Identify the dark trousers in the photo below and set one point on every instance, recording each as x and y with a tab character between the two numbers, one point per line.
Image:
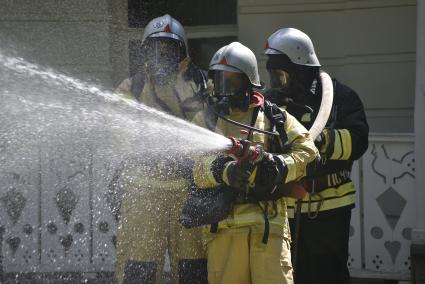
322	249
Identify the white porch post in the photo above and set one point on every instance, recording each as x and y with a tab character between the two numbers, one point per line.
418	233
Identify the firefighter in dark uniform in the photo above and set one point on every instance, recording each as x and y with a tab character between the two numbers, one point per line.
324	224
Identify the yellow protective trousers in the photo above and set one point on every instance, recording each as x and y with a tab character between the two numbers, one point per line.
238	255
149	225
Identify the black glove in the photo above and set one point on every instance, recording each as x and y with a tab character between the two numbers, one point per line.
236	176
269	176
323	141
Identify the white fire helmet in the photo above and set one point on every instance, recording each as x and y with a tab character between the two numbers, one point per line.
293	43
238	58
165	27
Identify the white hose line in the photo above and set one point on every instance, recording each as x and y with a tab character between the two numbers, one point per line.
325	105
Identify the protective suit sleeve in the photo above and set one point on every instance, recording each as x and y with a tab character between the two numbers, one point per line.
301	151
208	171
349	139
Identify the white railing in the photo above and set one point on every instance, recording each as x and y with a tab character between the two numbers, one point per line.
57	219
55	214
384	217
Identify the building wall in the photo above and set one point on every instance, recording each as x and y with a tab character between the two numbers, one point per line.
205	39
68	35
367	44
419	121
418	234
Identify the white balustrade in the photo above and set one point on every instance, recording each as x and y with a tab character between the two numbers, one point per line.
56	218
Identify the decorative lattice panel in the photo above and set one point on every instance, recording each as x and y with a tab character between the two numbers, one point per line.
55	210
389	207
355	253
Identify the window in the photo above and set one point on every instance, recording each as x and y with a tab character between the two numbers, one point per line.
188	12
201	50
212	15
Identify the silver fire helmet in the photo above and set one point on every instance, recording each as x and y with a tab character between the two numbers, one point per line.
293	43
238	58
165	27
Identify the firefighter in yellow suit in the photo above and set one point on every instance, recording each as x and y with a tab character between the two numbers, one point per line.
151	205
252	244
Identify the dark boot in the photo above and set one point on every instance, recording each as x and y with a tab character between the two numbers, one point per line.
136	272
193	271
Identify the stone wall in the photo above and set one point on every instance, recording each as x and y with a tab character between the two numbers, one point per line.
69	35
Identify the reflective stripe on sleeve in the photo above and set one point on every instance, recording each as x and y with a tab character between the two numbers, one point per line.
342	145
337	146
292	135
289	162
225	179
346	143
202	174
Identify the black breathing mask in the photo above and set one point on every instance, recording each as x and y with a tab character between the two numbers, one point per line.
289	80
231	91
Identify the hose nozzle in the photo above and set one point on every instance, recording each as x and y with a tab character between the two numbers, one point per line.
244	151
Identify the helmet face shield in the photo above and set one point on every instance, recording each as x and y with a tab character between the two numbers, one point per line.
289	79
162	50
227	83
162	57
281	71
231	91
279	79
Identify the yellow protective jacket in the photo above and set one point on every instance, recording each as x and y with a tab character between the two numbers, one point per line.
153	193
302	151
178	98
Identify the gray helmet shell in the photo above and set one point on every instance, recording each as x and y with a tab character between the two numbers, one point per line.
295	44
236	57
165	27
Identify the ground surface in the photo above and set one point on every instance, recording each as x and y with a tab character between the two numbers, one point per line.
108	279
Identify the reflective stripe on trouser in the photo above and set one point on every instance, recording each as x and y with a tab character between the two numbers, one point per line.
149	225
330	198
237	255
250	213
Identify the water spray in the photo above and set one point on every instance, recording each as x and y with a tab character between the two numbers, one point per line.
53	102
